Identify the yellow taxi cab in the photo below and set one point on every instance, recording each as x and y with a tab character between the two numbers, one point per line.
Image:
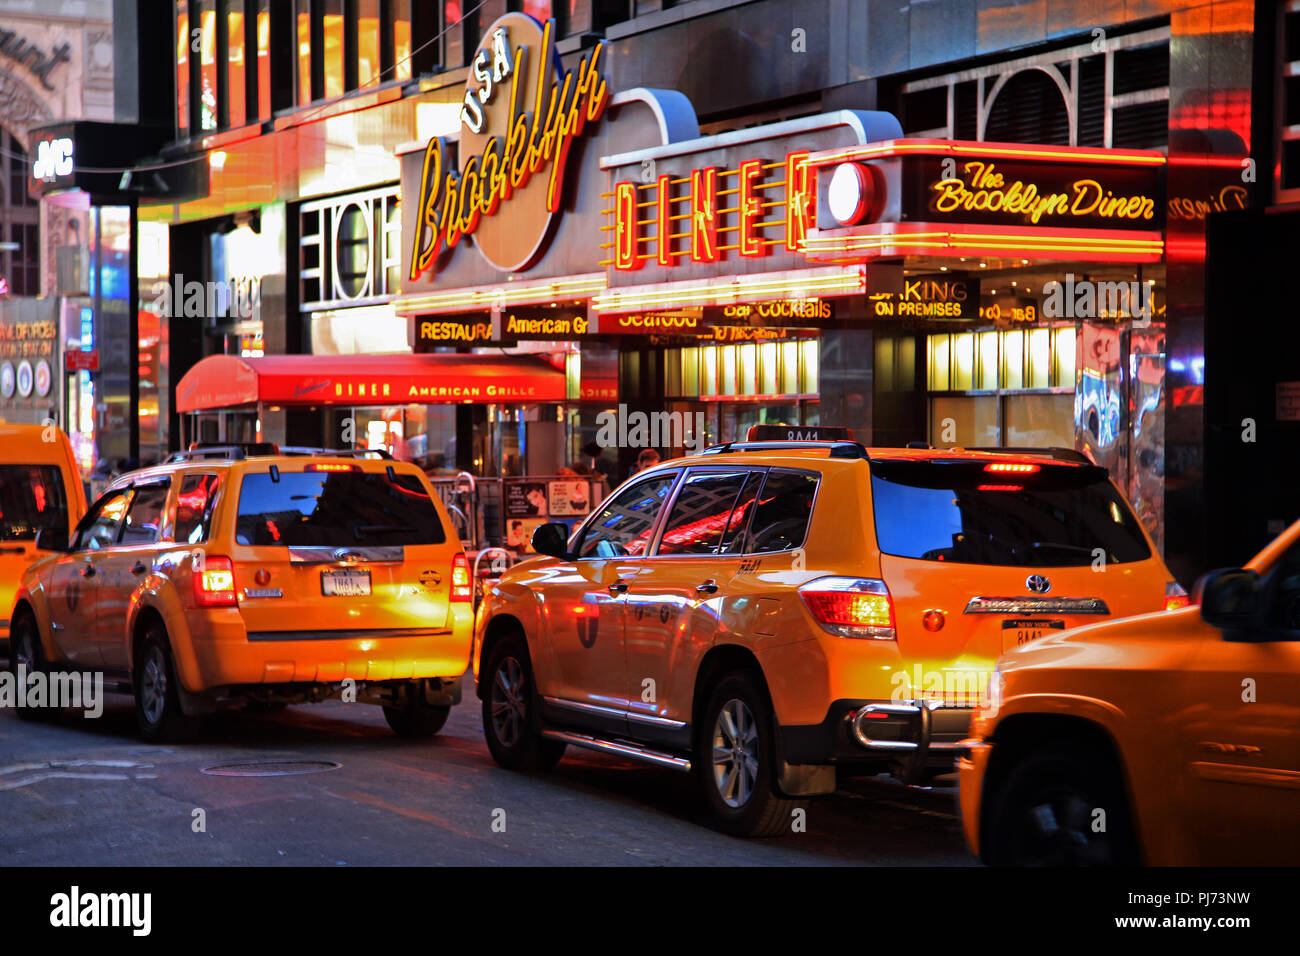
40	488
1163	739
236	575
767	614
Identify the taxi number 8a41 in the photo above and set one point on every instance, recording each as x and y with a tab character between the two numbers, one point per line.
1019	630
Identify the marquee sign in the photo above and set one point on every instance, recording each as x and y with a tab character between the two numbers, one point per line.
519	119
947	197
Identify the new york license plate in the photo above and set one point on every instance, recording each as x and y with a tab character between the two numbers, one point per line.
1022	630
345	583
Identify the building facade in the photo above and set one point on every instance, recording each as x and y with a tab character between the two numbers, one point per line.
1013	253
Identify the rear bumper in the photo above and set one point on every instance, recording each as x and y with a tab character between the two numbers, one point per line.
919	734
223	653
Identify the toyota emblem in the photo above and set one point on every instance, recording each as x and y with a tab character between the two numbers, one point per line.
1038	583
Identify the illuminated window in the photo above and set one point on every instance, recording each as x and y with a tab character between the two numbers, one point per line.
236	102
1040	358
182	67
208	66
263	64
939	363
769	358
333	30
401	40
1063	355
304	51
20	217
368	65
963	361
1013	359
808	367
988	360
748	369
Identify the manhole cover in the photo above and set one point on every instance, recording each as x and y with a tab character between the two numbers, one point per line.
270	768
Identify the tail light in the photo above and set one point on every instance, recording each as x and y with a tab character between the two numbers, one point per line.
1175	596
851	607
214	586
461	588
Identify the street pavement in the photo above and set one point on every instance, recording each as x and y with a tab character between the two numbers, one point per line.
82	792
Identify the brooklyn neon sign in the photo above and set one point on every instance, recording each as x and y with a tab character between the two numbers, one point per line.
455	203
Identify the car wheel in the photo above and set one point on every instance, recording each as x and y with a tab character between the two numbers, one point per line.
736	761
25	653
1046	814
157	693
510	711
416	717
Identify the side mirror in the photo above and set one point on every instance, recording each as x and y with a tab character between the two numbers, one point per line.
552	539
1229	598
51	539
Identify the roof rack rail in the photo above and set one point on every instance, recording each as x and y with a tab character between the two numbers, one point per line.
230	451
381	453
1056	452
838	449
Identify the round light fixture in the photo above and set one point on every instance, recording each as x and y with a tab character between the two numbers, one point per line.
849	193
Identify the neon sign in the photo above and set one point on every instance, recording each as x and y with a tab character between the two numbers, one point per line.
987	190
498	167
708	239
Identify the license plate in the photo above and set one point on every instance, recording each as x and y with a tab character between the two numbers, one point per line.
345	583
1022	630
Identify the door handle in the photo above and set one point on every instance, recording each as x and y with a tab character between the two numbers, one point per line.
138	568
87	570
708	587
618	587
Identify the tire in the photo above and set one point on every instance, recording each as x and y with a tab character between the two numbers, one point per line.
736	761
417	717
1044	813
510	721
158	711
25	650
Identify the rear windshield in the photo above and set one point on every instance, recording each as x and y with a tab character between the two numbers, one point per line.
310	508
1056	516
31	498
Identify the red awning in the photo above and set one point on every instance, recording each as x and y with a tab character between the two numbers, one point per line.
225	381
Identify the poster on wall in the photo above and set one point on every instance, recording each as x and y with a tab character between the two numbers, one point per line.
567	498
519	533
526	500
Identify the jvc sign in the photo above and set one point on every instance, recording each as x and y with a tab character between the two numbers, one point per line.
53	159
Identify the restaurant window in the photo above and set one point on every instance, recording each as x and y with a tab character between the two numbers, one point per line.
332	33
399	30
302	26
1002	387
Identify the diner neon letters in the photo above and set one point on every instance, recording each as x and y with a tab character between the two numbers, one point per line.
988	191
704	228
451	203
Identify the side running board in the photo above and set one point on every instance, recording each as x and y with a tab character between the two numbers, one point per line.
632	751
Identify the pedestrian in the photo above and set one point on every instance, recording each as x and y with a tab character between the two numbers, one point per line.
647	459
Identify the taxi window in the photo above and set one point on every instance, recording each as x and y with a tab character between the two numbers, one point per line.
31	499
624	524
194	502
959	511
701	513
145	514
99	528
782	511
324	508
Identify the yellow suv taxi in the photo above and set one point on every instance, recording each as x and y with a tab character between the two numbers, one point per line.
236	575
767	613
40	488
1164	739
